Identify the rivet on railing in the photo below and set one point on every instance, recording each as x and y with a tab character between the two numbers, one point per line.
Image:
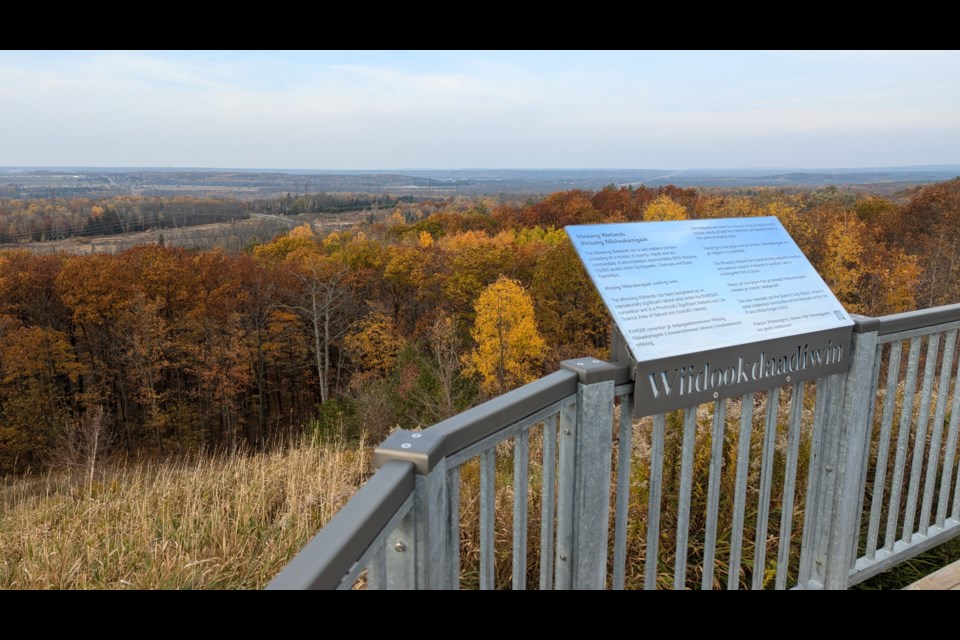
400	547
405	445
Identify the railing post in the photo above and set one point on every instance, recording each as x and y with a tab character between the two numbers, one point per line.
583	501
399	571
840	464
418	552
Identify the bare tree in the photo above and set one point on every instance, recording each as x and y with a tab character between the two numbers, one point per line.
324	302
83	441
447	397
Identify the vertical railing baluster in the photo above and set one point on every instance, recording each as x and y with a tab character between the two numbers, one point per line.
766	484
871	403
453	536
563	571
651	561
903	436
487	517
521	467
547	501
624	457
950	453
713	491
740	490
814	509
883	452
789	485
920	442
686	486
933	462
956	496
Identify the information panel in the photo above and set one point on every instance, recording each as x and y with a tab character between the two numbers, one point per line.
714	307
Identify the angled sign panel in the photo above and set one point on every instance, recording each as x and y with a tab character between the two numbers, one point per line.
711	308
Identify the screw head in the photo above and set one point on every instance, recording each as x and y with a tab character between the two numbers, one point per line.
788	378
416	435
405	445
400	547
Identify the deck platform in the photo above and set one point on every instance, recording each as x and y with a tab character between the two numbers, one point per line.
946	579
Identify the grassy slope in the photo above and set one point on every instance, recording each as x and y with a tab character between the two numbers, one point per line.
221	523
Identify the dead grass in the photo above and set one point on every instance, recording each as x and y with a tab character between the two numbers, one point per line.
222	522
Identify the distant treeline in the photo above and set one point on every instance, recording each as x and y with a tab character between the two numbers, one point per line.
56	219
325	203
160	349
43	219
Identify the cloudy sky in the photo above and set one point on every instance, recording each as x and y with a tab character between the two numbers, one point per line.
395	110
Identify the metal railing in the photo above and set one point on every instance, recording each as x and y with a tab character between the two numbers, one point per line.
555	485
915	421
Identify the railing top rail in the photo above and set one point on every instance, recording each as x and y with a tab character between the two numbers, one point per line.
327	558
425	448
909	320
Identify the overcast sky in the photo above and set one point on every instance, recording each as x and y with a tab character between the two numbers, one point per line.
395	110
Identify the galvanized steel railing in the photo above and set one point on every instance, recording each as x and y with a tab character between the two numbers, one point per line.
555	486
906	344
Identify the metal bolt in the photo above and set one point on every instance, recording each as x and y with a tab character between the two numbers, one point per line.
563	557
566	432
715	395
400	547
788	378
829	469
405	445
416	435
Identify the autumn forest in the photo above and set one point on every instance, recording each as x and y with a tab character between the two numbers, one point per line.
404	319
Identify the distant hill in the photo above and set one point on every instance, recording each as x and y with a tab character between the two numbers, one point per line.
26	182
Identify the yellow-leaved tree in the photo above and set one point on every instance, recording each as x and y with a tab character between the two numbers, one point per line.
664	208
373	345
844	266
508	345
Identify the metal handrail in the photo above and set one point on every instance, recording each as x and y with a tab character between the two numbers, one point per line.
425	448
333	552
919	319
